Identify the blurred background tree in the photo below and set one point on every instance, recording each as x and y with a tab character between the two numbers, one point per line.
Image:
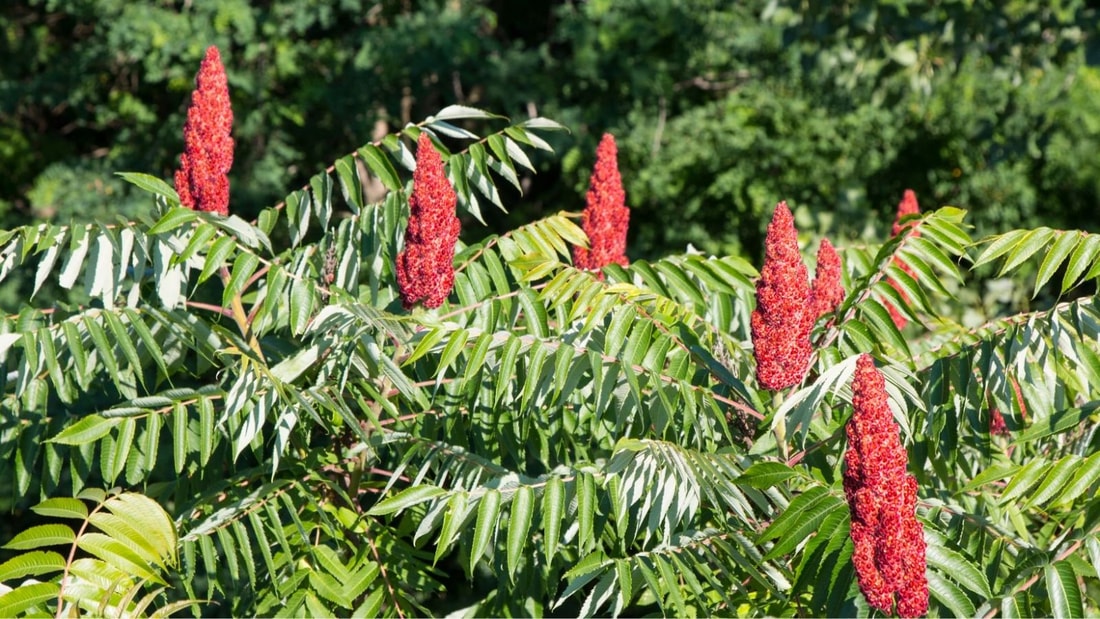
721	109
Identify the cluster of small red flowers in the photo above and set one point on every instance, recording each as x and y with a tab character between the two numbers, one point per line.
907	206
202	181
781	344
827	291
1019	397
889	555
425	268
786	308
606	216
997	425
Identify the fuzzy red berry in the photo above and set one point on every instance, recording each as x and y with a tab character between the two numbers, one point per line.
1020	402
827	291
907	206
202	180
606	217
780	329
997	425
889	554
425	268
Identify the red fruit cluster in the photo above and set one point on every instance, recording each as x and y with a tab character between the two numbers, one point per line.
425	268
907	206
827	291
202	181
786	308
781	341
605	217
889	554
1019	397
997	425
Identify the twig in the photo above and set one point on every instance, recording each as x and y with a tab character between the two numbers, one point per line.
210	307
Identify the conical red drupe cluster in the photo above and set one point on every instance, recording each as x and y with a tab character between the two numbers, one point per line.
1019	397
889	554
781	322
827	291
606	216
907	206
786	306
997	425
202	180
425	268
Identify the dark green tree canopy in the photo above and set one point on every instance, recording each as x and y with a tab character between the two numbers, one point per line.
720	108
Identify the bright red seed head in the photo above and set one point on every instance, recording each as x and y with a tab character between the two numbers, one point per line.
907	206
997	425
827	291
780	329
889	554
425	268
1019	397
202	180
606	217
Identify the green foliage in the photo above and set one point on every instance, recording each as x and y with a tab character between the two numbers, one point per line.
101	85
547	441
720	108
134	543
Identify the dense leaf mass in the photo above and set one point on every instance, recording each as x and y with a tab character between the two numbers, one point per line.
202	180
551	443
